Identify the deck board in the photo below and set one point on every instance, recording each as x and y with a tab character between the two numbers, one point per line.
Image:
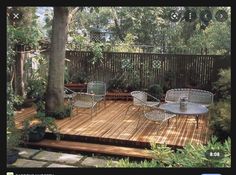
111	123
97	148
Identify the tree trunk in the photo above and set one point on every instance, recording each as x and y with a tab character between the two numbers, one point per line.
19	83
55	88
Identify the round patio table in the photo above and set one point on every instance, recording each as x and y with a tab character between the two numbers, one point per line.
192	109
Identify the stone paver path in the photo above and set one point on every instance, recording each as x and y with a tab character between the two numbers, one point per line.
41	158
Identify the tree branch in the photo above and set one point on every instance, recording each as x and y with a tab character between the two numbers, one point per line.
72	13
117	25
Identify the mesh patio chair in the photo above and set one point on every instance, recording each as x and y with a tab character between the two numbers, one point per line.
98	88
174	95
202	97
140	99
84	100
199	96
149	108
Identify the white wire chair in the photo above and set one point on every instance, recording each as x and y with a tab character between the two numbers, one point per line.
80	100
199	96
149	108
98	88
85	100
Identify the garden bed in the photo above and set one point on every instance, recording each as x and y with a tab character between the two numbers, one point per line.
76	86
118	96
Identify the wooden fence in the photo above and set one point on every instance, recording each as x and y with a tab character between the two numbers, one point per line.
148	68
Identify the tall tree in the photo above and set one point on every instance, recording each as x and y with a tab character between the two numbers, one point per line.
21	32
55	88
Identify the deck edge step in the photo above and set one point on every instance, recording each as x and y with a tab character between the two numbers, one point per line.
93	148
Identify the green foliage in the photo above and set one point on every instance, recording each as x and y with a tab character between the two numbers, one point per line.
40	120
163	154
127	45
10	109
223	84
130	78
17	102
216	38
13	134
125	163
40	104
115	84
169	80
13	101
37	79
10	101
191	156
96	49
26	35
220	112
65	112
67	77
220	118
155	90
80	77
78	42
36	88
150	26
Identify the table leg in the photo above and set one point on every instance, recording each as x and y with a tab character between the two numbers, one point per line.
197	119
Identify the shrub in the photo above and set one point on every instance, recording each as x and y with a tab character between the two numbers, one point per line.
169	81
155	90
61	114
36	88
220	118
192	155
115	84
220	112
40	104
223	85
13	134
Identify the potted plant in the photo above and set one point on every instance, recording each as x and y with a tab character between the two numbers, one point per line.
34	127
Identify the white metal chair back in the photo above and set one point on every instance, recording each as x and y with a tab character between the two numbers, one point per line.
201	97
84	100
174	95
139	98
193	95
96	87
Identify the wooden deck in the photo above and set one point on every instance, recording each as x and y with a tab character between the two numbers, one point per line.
112	126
